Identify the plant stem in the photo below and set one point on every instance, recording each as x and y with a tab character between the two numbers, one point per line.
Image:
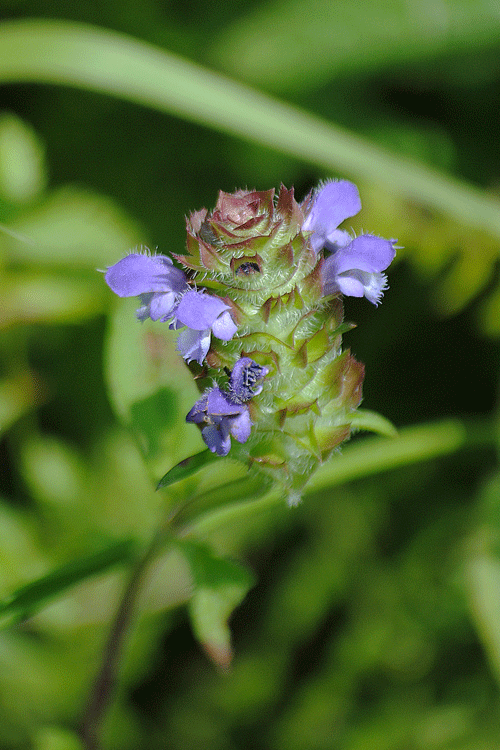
105	683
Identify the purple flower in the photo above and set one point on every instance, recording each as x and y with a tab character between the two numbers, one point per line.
335	202
165	294
223	418
153	278
354	266
356	269
244	382
226	414
203	314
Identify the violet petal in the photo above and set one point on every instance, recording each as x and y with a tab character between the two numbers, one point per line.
358	284
161	306
199	311
349	285
366	253
336	239
219	404
137	274
198	412
193	344
217	438
224	326
335	202
241	426
374	284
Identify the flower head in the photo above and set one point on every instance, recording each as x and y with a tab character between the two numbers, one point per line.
261	298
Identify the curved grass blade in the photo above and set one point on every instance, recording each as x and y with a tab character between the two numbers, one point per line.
66	53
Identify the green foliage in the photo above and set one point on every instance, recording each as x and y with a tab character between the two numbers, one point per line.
187	467
151	388
219	586
29	598
16	397
124	67
375	619
368	36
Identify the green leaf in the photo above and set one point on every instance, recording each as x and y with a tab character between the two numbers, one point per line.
72	227
482	571
365	419
53	737
151	388
370	454
22	166
187	467
365	457
483	583
219	586
61	52
49	298
18	394
489	314
29	598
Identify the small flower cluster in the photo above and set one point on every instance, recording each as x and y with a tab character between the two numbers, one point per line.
227	414
352	266
165	295
260	303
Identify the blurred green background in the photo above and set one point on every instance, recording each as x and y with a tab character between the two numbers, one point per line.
375	620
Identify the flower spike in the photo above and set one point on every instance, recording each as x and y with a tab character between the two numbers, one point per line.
277	390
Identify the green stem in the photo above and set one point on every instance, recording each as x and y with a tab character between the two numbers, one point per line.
104	685
360	459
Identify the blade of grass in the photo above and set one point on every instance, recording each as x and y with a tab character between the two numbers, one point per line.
73	54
